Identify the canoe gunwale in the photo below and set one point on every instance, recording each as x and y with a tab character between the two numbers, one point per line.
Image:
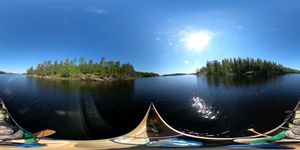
13	120
152	109
140	132
283	126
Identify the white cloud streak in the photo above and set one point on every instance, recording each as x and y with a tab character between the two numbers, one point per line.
97	10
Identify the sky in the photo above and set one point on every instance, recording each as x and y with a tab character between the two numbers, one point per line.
162	36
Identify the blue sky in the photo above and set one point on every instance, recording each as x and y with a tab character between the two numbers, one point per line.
158	36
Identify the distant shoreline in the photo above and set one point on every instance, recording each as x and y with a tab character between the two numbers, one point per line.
178	74
89	78
244	67
79	69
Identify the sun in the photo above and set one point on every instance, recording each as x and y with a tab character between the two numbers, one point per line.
197	41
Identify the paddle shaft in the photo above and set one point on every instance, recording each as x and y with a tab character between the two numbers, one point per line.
252	130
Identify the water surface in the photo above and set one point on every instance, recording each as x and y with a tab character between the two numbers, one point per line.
93	110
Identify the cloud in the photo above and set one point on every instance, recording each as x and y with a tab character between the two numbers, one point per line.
170	20
273	29
97	10
240	27
186	62
219	33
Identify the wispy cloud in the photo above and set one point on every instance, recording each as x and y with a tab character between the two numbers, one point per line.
240	27
97	10
273	29
186	62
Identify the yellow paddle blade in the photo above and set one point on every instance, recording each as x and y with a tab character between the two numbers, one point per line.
44	133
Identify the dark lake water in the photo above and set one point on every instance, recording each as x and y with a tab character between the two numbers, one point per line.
94	110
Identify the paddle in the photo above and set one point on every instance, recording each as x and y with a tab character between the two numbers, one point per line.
252	130
44	133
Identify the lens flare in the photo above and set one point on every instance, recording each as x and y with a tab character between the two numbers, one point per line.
198	41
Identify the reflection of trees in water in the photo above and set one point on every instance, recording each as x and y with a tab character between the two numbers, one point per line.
67	86
58	101
237	81
98	105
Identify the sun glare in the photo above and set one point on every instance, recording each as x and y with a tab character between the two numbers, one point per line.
197	41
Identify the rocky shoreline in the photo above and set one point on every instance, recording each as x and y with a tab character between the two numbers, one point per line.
82	78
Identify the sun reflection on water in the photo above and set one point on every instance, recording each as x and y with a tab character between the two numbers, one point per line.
205	110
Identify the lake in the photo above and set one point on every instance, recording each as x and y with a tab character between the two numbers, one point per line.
222	107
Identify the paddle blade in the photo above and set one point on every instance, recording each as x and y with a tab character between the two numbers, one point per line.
44	133
250	129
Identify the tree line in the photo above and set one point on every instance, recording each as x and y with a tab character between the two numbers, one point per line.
79	68
239	66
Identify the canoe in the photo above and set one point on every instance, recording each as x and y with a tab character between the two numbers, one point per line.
284	126
260	146
19	136
174	143
249	140
154	128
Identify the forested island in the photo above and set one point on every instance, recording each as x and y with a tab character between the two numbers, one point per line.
247	66
2	72
176	74
79	69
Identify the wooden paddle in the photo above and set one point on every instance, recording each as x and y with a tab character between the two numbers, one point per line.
43	133
248	140
252	130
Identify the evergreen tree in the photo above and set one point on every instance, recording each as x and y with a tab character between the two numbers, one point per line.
73	69
239	66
